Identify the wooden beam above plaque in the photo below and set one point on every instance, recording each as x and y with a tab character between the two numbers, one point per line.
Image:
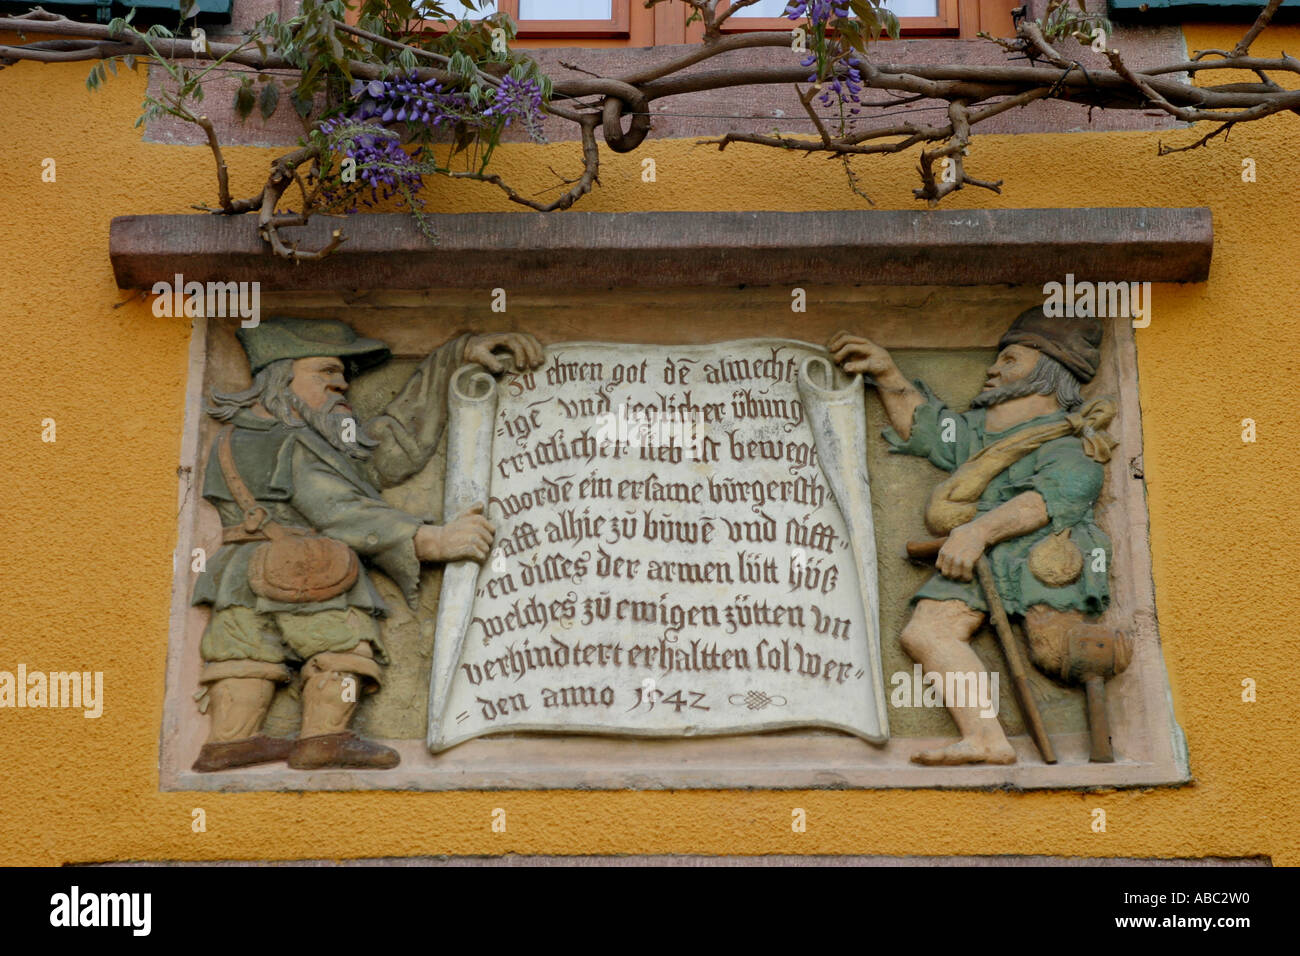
661	249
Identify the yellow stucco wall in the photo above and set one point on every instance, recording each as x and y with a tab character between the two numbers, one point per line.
89	521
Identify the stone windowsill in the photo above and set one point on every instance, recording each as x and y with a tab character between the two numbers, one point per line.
942	247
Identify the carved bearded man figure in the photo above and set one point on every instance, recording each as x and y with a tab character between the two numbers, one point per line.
1028	468
296	481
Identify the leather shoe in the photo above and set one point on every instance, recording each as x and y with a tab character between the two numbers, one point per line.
228	754
341	750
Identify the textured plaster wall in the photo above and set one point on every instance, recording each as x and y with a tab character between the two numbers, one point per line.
89	521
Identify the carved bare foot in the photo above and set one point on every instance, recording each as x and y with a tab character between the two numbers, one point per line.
966	751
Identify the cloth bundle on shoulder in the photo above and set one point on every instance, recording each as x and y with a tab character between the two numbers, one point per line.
956	500
1056	560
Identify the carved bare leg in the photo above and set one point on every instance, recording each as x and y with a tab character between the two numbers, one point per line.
938	637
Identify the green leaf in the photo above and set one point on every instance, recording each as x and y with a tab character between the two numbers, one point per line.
269	99
302	104
461	65
189	9
462	138
308	81
244	99
856	34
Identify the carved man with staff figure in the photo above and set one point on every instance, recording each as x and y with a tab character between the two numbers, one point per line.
1027	463
296	481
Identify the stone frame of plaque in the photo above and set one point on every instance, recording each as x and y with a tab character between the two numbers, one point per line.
951	332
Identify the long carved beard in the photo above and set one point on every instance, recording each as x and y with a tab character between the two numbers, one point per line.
1005	393
330	425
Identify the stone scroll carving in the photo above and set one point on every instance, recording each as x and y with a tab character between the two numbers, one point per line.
683	546
655	566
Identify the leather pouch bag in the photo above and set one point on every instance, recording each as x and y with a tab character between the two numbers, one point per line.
293	565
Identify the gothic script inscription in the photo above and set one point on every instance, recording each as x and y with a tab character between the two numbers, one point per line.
684	546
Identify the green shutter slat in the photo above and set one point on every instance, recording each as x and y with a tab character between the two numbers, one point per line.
1187	10
149	11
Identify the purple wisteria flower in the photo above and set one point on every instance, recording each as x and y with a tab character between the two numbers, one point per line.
521	100
381	163
407	99
839	88
818	11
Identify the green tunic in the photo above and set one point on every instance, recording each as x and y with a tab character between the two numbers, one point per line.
304	481
1069	482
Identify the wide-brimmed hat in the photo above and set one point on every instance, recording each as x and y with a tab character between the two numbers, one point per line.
1074	342
287	338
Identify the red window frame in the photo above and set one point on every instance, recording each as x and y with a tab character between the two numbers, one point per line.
618	25
631	24
944	23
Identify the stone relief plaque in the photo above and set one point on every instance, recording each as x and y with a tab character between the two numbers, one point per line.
422	560
684	546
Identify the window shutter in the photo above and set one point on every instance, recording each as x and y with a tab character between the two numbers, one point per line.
166	12
1180	11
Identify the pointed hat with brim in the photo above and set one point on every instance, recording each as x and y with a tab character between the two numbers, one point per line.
287	338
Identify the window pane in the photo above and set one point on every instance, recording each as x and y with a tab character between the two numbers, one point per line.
566	9
913	8
764	8
458	11
901	8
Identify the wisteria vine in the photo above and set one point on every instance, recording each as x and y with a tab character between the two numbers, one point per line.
385	104
382	115
838	70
